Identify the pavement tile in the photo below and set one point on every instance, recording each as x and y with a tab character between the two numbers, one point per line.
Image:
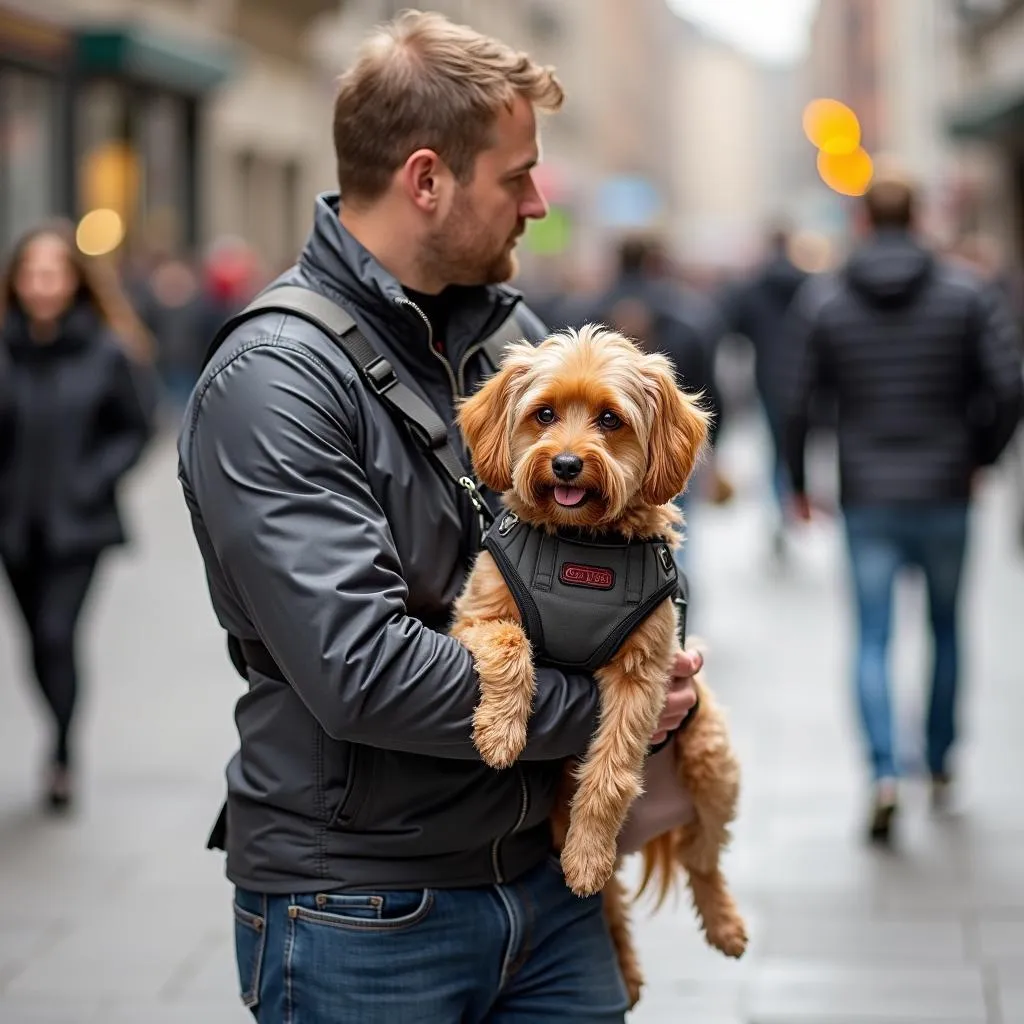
800	994
850	941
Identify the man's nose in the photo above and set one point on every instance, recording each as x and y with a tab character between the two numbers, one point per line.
534	206
567	467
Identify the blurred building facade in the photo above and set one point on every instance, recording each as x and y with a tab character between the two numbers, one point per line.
191	119
985	116
737	140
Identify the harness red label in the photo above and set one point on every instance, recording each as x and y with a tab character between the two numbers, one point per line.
593	576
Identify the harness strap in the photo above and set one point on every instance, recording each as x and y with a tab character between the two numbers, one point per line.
427	428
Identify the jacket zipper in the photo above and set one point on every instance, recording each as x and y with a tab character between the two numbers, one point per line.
430	344
467	482
523	808
525	795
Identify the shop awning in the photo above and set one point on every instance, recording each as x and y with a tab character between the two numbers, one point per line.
988	115
142	54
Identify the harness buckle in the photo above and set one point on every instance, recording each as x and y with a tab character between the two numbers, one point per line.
667	562
508	524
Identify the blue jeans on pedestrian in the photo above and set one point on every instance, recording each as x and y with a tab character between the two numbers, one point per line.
527	952
882	541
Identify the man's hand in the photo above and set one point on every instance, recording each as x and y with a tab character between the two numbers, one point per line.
802	507
682	694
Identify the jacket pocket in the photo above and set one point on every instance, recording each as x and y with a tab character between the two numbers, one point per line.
250	940
358	784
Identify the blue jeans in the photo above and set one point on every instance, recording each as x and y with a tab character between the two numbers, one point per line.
529	951
882	541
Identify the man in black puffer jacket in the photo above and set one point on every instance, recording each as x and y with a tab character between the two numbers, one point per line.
924	365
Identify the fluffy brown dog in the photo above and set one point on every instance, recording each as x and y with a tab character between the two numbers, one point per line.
595	396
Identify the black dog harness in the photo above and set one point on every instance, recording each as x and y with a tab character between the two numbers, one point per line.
581	596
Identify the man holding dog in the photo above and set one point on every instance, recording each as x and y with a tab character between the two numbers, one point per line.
383	873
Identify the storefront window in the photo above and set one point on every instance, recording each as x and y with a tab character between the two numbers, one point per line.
161	131
134	160
28	111
108	172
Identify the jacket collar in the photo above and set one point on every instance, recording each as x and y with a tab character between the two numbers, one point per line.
345	270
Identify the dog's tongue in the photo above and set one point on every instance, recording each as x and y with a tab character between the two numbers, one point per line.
569	496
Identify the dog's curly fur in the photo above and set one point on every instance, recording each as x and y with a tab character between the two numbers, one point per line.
547	400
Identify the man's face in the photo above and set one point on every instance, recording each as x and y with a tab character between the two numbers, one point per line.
475	243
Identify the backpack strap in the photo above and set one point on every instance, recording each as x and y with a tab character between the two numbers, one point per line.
426	427
495	344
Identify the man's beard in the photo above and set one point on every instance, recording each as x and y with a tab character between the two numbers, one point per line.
463	250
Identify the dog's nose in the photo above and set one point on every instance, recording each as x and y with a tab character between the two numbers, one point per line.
567	467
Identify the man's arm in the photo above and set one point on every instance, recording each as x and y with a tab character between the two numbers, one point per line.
998	348
299	535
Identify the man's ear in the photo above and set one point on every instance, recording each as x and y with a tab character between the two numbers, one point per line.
486	420
423	177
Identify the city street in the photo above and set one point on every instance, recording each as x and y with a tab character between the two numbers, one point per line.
119	915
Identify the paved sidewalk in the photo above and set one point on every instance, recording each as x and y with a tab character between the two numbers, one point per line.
120	916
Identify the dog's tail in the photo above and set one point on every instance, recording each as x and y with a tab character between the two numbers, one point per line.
660	859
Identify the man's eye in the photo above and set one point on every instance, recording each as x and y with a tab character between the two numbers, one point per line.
609	421
545	415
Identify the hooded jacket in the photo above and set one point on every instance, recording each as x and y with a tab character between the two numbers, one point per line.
924	365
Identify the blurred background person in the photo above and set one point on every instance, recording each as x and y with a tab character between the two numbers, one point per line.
179	314
756	307
646	303
924	363
78	406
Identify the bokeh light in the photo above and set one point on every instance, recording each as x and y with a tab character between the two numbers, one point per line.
100	232
831	126
849	174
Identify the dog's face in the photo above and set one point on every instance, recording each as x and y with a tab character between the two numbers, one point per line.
583	428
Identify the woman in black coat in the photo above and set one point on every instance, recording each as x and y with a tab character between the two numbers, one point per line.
75	415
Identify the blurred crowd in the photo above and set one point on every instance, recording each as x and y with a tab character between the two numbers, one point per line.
130	339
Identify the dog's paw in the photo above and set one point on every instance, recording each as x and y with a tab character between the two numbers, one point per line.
587	867
729	936
499	743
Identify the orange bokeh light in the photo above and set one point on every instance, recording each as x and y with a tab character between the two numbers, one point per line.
849	174
831	126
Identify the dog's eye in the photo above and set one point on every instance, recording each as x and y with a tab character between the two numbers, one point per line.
609	421
546	415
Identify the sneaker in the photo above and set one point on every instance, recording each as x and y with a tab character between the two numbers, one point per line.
59	790
941	791
883	810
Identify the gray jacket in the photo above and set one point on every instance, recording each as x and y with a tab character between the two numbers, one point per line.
329	536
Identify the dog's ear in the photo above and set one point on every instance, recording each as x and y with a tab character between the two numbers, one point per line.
485	420
678	434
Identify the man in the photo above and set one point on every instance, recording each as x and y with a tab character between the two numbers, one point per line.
382	872
757	309
923	362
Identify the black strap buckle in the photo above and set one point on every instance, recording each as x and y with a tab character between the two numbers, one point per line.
381	375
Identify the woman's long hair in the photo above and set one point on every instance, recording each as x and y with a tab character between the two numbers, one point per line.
97	285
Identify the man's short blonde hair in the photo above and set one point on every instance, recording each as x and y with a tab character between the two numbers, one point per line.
424	82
